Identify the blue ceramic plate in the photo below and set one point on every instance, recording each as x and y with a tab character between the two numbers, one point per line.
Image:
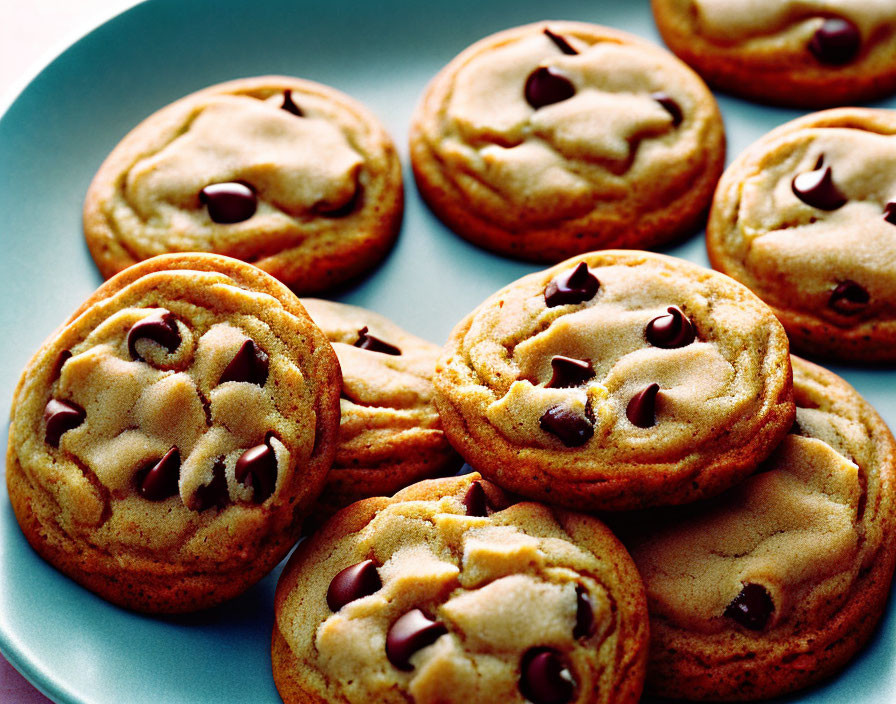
74	646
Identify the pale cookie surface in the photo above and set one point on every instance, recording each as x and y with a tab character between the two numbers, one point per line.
805	53
290	175
390	434
444	594
806	218
617	380
780	581
167	440
507	151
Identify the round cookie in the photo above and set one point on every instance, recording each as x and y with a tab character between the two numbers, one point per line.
806	218
801	53
168	439
617	380
777	584
390	434
289	175
444	594
507	151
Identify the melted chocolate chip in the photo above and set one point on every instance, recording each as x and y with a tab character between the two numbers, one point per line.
585	623
229	202
410	633
545	677
475	500
257	467
366	341
576	286
571	428
752	608
836	42
158	479
569	373
546	86
641	409
561	43
849	298
63	357
353	583
671	330
59	417
817	189
890	212
215	492
671	106
249	364
160	327
289	105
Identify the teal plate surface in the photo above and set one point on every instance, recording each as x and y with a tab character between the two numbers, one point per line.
77	648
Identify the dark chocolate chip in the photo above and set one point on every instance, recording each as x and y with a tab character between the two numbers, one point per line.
890	212
641	409
353	583
59	417
569	372
571	428
475	500
249	364
257	467
671	330
671	106
289	105
545	677
229	202
158	479
817	188
849	298
585	623
561	43
63	357
576	286
836	42
410	633
215	492
160	327
546	86
752	608
366	341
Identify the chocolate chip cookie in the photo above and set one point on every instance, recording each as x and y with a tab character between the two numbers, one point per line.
806	218
776	584
617	380
557	138
445	594
289	175
168	439
802	53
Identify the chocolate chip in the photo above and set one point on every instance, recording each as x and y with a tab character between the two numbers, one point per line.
158	479
160	327
249	364
890	212
366	341
258	466
849	298
215	492
576	286
59	417
546	86
585	623
671	330
569	372
63	357
572	429
289	105
752	608
545	677
641	410
229	202
836	42
671	106
475	500
353	583
561	43
410	633
817	188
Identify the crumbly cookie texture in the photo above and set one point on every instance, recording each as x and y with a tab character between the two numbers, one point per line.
168	439
390	434
803	53
617	380
447	594
289	175
806	218
779	582
506	150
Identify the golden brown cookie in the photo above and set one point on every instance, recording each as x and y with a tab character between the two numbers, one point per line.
556	138
444	594
290	175
168	439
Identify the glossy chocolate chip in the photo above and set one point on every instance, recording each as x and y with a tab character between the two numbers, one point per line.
585	623
366	341
160	327
289	105
475	500
671	106
671	330
561	43
570	427
213	494
410	633
836	42
641	409
890	212
229	202
576	286
257	467
59	417
545	678
158	479
752	608
353	583
546	86
250	364
817	189
569	372
849	298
